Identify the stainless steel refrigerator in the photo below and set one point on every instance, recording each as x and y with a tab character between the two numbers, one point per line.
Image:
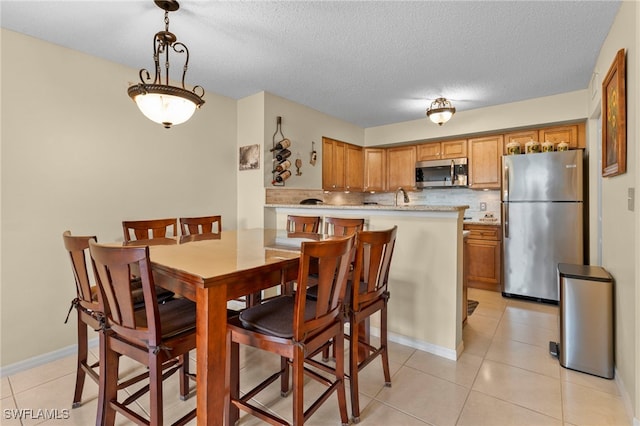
542	216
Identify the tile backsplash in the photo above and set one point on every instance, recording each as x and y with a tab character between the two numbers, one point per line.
457	196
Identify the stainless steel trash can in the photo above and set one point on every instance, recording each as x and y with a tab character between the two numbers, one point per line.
586	319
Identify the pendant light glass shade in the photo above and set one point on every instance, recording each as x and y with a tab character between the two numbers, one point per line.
440	111
162	103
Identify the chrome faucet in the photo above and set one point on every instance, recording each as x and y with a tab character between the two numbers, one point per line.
404	193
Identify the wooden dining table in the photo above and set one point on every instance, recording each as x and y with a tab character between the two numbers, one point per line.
212	269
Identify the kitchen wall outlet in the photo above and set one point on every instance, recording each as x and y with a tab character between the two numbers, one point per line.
483	207
631	199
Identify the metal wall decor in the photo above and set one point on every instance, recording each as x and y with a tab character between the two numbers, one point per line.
281	163
162	103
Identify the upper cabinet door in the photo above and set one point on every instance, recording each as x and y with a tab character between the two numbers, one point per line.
401	167
375	169
484	162
569	134
520	137
333	160
354	168
441	150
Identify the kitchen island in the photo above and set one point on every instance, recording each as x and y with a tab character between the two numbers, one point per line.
426	276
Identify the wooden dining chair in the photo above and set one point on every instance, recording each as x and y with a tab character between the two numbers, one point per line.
342	226
293	327
201	225
89	313
374	250
149	229
86	306
159	336
303	223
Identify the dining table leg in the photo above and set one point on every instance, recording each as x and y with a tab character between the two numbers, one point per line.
211	325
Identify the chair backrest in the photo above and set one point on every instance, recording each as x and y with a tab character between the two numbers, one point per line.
78	248
332	260
201	225
113	266
374	251
148	229
342	226
303	223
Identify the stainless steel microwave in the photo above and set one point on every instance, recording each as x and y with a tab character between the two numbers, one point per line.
442	173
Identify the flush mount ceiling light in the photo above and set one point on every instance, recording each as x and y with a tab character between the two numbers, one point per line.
440	111
162	103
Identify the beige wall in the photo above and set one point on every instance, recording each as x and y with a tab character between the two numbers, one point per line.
77	155
551	109
620	233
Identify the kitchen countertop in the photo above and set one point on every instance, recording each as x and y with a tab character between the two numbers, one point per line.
425	208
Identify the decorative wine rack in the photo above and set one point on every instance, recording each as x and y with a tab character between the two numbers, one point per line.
281	170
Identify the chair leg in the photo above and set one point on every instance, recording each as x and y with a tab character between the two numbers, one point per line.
184	376
353	369
285	390
155	390
298	386
108	387
385	346
233	380
82	360
342	400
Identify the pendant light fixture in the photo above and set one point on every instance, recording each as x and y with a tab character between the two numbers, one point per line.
440	111
162	103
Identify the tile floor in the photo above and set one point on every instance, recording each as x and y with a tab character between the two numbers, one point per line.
504	377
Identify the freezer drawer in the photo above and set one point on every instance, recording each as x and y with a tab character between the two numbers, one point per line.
536	237
586	319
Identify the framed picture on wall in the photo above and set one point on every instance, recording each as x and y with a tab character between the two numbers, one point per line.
614	113
250	157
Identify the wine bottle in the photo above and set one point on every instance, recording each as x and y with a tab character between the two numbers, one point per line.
283	144
282	177
283	155
282	166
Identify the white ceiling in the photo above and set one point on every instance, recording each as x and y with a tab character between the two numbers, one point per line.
367	62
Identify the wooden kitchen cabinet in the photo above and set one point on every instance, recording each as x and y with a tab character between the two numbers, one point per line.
375	169
485	162
484	253
442	150
520	137
342	166
401	167
354	168
573	134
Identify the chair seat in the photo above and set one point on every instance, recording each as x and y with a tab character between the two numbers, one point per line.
275	317
177	316
162	294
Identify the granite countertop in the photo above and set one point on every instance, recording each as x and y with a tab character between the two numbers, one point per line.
424	208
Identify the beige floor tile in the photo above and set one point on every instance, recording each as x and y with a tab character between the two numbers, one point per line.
526	333
489	309
597	383
486	296
475	343
425	397
531	317
523	355
462	372
43	373
5	388
10	416
377	413
482	324
525	388
484	410
533	306
586	406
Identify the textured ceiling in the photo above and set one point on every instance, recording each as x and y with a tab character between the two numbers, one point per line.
368	63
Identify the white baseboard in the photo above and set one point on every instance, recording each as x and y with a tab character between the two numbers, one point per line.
423	346
43	359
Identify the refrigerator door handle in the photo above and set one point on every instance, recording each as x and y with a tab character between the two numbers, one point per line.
505	179
505	215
